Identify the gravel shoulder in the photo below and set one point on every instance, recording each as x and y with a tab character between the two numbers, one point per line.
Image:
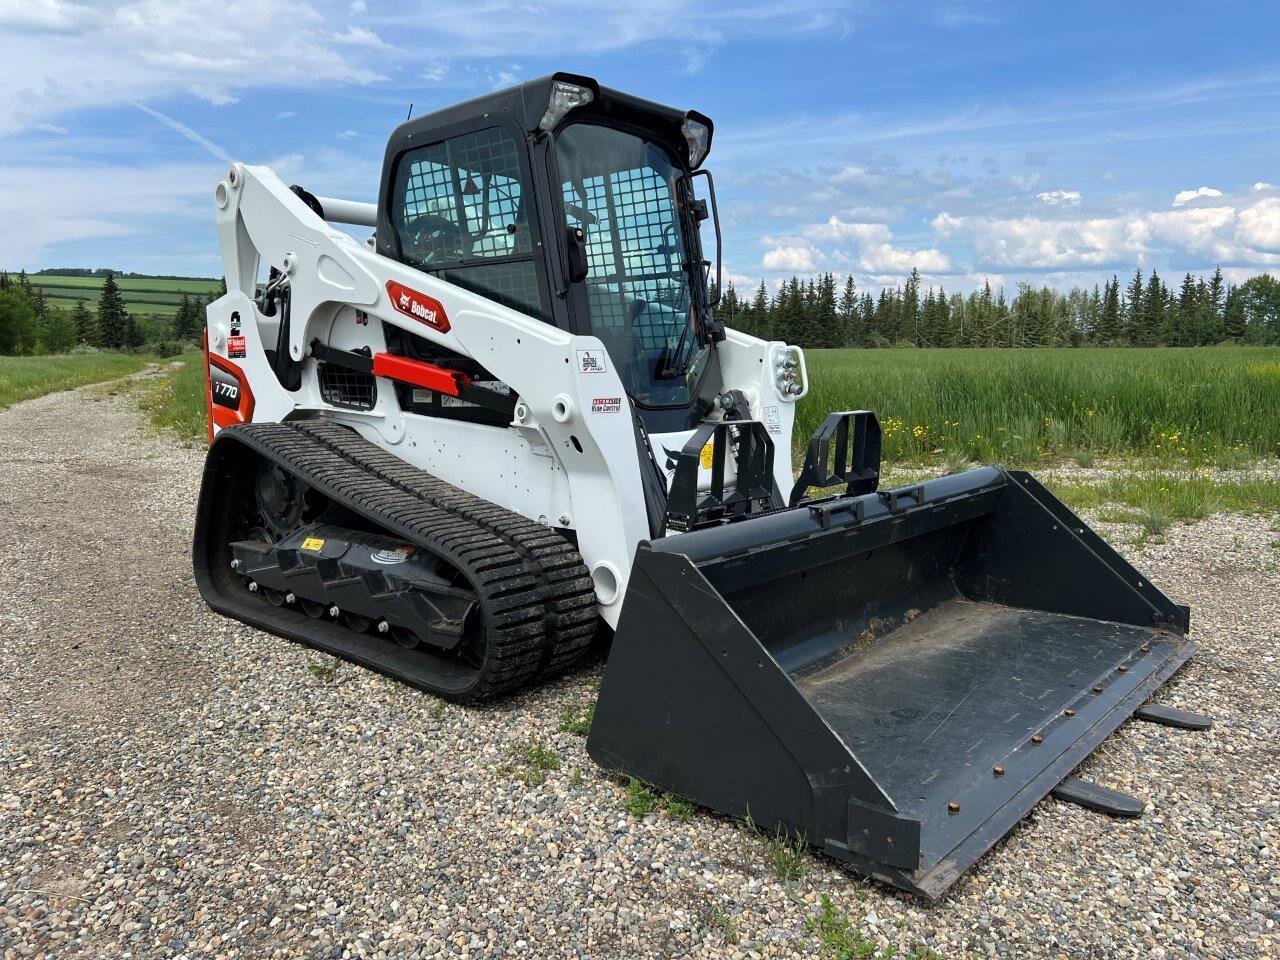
173	784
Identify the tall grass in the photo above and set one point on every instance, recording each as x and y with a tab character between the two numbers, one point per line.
22	378
1210	405
175	401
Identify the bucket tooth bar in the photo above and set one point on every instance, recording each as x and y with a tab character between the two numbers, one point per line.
1094	796
899	676
1172	717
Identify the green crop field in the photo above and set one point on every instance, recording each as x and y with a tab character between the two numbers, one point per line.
202	285
1217	405
142	295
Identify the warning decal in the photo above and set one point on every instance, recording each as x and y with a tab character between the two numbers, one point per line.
606	404
772	419
315	544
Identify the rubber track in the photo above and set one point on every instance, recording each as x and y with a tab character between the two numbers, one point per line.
532	592
569	594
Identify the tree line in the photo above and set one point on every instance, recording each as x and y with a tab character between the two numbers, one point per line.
1144	313
30	324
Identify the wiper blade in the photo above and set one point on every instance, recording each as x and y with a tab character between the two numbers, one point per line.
673	365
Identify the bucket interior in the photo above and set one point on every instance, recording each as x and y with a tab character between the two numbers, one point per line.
901	651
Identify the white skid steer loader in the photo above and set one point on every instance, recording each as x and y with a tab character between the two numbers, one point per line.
510	423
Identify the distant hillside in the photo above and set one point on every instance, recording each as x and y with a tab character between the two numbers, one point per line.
101	273
143	295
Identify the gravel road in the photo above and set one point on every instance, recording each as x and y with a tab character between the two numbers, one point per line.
176	785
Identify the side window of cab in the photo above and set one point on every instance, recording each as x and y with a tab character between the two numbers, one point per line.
460	211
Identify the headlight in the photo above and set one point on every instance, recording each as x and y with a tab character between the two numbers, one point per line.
698	135
564	97
787	372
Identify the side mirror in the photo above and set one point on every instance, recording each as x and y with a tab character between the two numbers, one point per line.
577	247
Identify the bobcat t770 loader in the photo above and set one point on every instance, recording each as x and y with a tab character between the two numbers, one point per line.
509	422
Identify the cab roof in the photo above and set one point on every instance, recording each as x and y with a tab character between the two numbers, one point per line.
527	103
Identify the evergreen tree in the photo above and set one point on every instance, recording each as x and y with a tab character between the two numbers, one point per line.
1108	330
130	335
1233	322
183	321
1133	309
1152	325
1186	317
851	334
86	326
909	322
111	315
1217	302
825	320
730	309
761	319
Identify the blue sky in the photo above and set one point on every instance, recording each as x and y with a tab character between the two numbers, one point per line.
1049	142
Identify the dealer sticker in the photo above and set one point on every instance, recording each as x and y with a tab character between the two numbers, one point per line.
592	361
606	404
235	347
315	544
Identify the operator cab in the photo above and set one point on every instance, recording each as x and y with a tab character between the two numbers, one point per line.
574	204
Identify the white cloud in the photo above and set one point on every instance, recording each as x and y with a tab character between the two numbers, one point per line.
285	115
799	257
828	244
433	71
1259	225
42	15
360	37
885	258
1186	196
1032	242
1263	185
1060	198
348	135
513	28
214	93
1203	230
74	57
358	6
1210	235
836	229
51	128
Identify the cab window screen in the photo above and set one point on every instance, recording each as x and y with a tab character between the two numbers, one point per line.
459	212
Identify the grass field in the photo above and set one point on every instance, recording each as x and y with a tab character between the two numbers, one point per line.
1217	405
22	378
142	295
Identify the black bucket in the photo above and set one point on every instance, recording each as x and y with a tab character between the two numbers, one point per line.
899	676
